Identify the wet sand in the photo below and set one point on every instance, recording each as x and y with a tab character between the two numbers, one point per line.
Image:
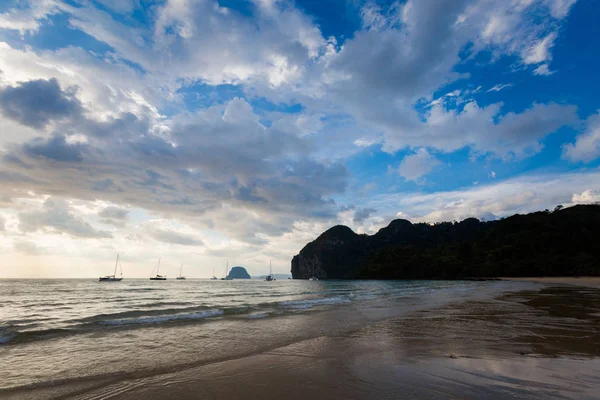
591	281
537	344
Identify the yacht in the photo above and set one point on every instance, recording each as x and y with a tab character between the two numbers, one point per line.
313	278
158	277
113	277
214	277
227	277
181	277
270	277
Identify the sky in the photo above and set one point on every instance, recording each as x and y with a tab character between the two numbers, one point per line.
216	131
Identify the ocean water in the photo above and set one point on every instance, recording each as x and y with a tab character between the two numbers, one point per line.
71	330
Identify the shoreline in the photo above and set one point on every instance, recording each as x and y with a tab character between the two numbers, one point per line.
536	351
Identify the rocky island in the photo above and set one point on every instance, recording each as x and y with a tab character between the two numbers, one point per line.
563	242
238	273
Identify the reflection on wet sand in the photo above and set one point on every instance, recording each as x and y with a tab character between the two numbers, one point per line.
533	345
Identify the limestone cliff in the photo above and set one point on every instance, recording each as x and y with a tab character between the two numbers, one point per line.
545	243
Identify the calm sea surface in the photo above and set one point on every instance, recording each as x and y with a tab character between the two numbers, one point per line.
63	330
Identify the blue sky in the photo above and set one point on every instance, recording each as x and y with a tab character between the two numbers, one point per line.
205	131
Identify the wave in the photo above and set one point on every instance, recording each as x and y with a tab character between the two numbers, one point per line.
6	337
164	318
163	304
138	314
12	336
258	315
304	304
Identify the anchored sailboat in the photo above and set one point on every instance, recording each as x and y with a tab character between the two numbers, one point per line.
181	277
214	277
270	277
113	277
158	277
227	277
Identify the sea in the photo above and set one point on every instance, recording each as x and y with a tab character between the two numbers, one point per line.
57	331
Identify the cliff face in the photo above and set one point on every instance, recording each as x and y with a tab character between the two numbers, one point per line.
331	256
542	243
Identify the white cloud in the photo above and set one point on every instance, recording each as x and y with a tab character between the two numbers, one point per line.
27	19
539	51
560	8
499	199
586	197
247	182
587	145
485	129
543	70
415	166
499	87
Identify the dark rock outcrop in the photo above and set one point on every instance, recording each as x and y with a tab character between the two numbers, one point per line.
563	242
238	273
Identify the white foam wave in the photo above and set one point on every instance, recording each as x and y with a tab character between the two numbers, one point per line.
258	315
163	318
304	304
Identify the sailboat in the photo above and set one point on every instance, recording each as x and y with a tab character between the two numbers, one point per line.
158	277
113	277
270	277
181	277
227	277
214	277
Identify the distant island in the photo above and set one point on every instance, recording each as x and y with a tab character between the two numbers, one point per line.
562	242
238	273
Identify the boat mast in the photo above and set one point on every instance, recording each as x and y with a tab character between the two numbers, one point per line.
270	269
117	263
181	269
158	266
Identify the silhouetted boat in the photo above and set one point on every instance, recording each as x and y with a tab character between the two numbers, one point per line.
313	278
113	277
158	277
181	277
227	277
270	277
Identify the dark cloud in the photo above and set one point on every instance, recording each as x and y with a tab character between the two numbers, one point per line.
113	212
35	103
174	237
28	248
362	214
12	159
56	148
114	215
191	169
57	216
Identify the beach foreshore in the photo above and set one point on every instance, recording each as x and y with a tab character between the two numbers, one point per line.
591	281
542	343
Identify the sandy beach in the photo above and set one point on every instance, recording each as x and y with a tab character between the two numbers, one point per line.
533	344
591	281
